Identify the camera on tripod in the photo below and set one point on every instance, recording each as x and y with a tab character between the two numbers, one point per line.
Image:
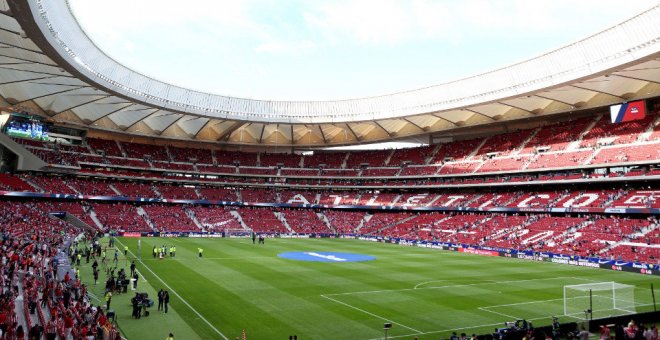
142	299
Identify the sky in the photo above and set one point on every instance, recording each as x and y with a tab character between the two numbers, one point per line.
335	49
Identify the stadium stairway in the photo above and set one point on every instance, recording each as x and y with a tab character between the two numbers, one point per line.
20	304
569	235
391	225
576	143
326	221
524	143
239	218
626	242
76	222
192	216
364	220
282	219
32	184
146	218
112	187
95	218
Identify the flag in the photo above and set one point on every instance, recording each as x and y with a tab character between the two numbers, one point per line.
243	335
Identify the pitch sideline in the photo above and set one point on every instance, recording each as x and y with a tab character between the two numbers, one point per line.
177	294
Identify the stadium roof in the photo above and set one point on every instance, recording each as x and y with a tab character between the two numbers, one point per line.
49	64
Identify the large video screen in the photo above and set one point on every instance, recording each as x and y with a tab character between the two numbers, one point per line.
31	129
628	111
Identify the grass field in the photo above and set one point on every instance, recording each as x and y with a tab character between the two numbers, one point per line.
423	292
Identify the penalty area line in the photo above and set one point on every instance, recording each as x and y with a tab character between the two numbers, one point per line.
369	313
178	296
453	329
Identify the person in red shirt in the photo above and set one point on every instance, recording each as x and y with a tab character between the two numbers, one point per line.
605	333
68	324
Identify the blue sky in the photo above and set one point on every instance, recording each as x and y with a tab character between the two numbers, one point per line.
314	50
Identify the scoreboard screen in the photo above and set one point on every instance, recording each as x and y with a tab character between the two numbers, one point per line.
628	111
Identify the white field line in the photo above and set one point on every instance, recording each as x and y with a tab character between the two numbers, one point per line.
369	313
452	286
327	296
178	296
498	313
453	329
427	282
211	258
521	303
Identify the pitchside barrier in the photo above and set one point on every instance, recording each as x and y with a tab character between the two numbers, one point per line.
574	260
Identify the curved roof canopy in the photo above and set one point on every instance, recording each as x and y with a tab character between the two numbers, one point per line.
48	63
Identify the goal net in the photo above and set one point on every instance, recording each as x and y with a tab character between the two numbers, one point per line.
599	299
237	232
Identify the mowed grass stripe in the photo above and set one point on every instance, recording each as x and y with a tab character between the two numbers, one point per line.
250	280
272	297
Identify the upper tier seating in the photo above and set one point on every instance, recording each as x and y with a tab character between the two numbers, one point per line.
329	160
141	151
275	159
411	155
558	136
236	157
200	156
504	144
457	151
103	146
621	133
373	157
221	194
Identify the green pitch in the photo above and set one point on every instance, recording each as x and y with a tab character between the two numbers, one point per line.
423	292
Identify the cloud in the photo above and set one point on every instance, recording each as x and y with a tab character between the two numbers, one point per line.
293	48
324	49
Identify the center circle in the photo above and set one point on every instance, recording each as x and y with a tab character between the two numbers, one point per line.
325	256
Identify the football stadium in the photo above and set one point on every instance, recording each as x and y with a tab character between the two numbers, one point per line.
135	208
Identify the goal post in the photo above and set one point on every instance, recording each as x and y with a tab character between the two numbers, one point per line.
599	298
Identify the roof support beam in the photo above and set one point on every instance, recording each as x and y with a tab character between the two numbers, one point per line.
139	120
443	118
554	100
415	125
35	72
325	141
27	60
170	124
85	103
597	91
111	112
51	94
292	141
24	80
225	134
261	135
208	121
478	113
634	78
389	134
516	107
353	132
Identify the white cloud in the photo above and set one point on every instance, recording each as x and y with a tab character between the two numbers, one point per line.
293	48
324	49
